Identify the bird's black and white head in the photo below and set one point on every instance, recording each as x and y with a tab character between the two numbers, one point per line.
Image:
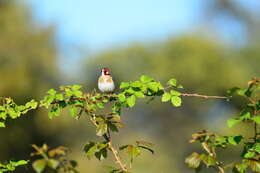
105	72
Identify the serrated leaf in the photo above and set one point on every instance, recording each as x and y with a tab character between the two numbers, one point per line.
121	97
139	94
153	86
39	165
146	79
52	92
166	97
172	82
175	93
176	101
136	84
124	85
131	101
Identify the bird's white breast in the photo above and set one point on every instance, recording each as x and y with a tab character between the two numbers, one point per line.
106	86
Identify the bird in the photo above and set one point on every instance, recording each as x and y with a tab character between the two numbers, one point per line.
105	81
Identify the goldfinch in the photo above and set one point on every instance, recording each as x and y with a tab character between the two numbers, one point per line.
105	81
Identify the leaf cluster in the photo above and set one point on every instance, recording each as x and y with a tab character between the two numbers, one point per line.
250	154
53	160
11	165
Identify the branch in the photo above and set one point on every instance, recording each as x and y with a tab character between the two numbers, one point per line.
117	158
114	152
204	96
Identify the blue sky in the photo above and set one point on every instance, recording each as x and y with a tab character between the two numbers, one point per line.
101	23
98	24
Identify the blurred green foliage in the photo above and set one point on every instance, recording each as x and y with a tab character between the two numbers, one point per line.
28	67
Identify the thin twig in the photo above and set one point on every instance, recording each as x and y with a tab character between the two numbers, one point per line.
114	152
203	96
117	158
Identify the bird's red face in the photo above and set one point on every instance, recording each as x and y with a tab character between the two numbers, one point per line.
105	71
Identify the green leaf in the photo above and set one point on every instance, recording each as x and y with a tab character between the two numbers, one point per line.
146	79
73	111
234	140
257	147
101	154
55	111
19	163
133	151
76	87
124	85
232	122
180	86
131	101
193	160
240	168
176	101
121	97
139	94
51	92
153	86
90	149
73	163
59	97
32	104
175	93
39	165
112	127
236	91
208	160
249	155
245	116
52	163
2	124
166	97
172	82
256	119
100	105
101	129
136	84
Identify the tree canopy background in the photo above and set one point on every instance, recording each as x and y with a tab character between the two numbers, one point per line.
203	63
